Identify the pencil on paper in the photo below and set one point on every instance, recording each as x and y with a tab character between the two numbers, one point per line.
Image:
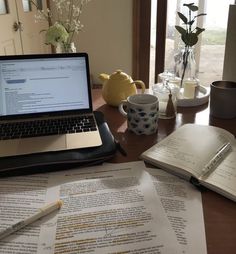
220	155
41	213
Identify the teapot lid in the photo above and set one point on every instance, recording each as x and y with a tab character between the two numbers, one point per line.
119	75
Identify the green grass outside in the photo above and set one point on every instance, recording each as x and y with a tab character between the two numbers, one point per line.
214	37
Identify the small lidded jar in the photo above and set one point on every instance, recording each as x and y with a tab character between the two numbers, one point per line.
167	91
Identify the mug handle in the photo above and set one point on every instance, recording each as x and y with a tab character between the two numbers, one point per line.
121	108
140	82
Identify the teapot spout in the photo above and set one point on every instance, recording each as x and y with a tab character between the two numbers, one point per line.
103	77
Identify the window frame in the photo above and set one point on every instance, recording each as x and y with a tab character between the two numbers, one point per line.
141	38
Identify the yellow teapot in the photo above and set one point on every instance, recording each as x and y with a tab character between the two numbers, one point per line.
118	86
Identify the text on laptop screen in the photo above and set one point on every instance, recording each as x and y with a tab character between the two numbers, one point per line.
43	85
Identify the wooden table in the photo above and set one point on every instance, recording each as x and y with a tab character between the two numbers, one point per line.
219	212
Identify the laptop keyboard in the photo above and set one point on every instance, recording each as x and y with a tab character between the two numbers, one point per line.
47	127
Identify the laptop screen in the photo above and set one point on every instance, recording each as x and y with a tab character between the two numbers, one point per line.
39	84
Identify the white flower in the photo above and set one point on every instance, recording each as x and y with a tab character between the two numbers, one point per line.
66	17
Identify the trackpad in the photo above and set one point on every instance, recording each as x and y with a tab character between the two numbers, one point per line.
83	139
42	144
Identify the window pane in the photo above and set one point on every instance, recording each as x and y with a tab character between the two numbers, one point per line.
26	5
3	7
213	41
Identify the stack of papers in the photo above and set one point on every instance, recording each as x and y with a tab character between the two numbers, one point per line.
113	208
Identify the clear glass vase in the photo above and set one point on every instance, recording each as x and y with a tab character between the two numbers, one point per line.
66	48
185	64
185	69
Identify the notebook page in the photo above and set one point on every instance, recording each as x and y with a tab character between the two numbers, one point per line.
188	149
223	178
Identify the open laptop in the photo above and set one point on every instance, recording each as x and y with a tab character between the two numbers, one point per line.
51	90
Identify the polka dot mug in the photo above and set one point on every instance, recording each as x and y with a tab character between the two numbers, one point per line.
141	111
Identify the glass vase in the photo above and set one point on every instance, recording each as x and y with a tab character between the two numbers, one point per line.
185	69
66	48
185	64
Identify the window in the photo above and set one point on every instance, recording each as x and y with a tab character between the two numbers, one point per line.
3	7
26	5
209	51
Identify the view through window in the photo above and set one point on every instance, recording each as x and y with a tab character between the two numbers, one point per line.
3	7
209	51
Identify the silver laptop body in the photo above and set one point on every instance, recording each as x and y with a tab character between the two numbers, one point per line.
51	88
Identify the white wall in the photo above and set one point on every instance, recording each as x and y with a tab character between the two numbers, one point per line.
107	36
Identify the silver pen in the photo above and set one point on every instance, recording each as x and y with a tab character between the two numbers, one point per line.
41	212
220	154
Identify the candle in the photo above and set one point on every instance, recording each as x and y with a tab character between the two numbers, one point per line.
190	88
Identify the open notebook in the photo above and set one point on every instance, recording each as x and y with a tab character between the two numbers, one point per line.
205	155
46	104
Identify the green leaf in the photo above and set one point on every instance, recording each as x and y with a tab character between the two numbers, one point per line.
190	39
193	8
193	39
182	17
201	14
199	30
180	29
184	39
188	4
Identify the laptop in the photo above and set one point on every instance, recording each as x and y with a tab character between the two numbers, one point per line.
45	104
